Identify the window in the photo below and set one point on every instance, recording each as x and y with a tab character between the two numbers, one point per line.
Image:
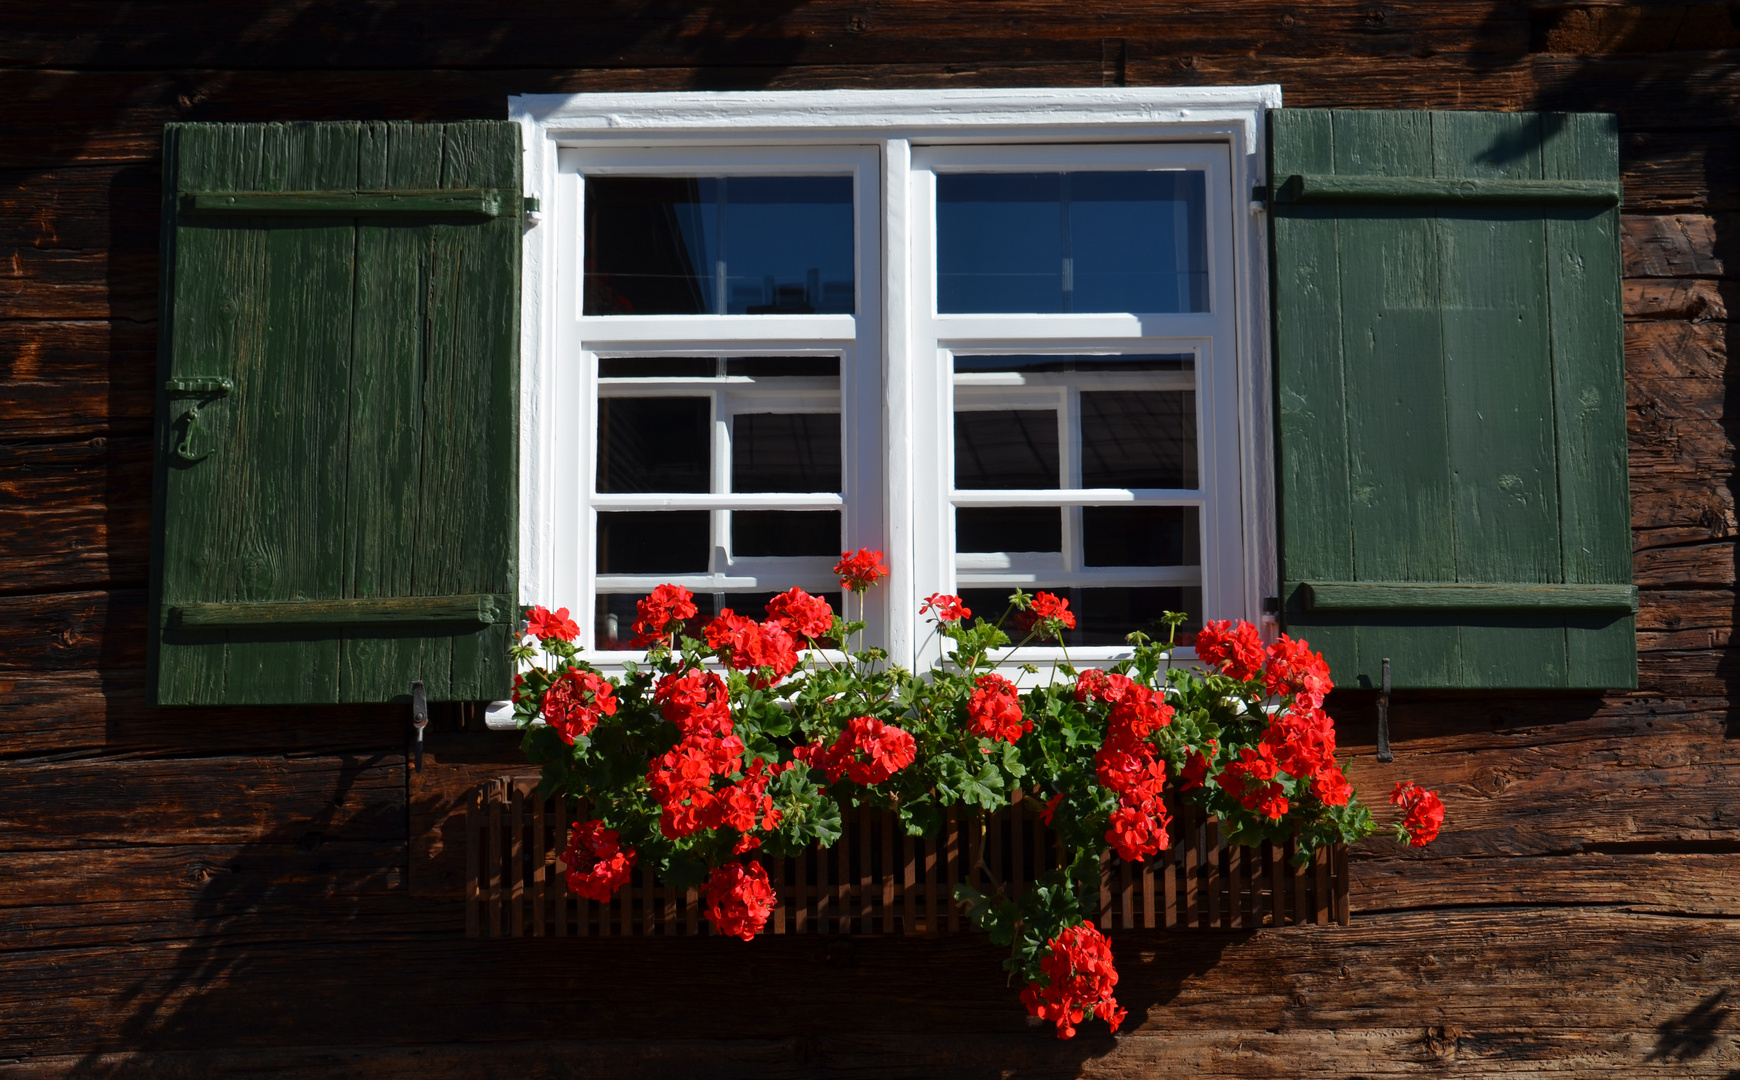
1011	355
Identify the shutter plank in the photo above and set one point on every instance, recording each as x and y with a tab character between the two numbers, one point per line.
1493	274
1311	427
1400	477
472	382
1589	399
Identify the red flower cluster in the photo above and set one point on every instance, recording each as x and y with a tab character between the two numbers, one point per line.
763	648
801	615
1251	780
1126	763
994	711
1047	616
860	569
739	899
541	624
662	612
946	607
1423	812
575	701
597	864
1196	765
868	752
682	779
1294	669
1236	649
1079	977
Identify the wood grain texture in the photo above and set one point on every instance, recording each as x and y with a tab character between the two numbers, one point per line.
1578	927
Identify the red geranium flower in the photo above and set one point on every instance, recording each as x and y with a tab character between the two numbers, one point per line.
1330	785
541	623
662	612
801	614
861	569
1251	780
596	863
575	701
994	710
1079	978
739	899
696	701
1294	669
946	607
868	751
1236	649
1196	765
1047	616
1136	832
1423	812
745	644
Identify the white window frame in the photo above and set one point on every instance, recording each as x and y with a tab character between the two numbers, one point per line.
895	409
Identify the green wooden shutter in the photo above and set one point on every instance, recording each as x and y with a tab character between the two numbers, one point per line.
337	419
1450	410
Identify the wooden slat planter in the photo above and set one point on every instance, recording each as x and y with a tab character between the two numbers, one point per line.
878	880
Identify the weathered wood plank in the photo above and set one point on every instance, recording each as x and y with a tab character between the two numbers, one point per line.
58	631
907	995
1690	299
217	800
61	380
38	711
61	475
1673	245
158	35
1694	565
91	876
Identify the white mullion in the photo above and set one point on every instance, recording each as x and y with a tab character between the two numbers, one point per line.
719	521
1099	577
1069	445
1079	497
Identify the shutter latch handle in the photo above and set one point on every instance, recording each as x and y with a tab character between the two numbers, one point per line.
184	448
1383	735
419	717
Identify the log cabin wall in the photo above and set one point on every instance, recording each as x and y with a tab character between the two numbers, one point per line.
195	892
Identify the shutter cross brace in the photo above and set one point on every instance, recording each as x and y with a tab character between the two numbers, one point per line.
419	718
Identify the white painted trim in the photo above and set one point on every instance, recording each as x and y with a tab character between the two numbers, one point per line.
907	396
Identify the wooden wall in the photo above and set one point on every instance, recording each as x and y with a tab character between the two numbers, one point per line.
199	892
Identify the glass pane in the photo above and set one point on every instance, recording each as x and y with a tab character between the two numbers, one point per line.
657	367
1105	616
1140	536
653	444
653	542
741	245
1140	439
1015	448
775	367
785	452
1078	241
1025	364
1008	528
1102	616
784	533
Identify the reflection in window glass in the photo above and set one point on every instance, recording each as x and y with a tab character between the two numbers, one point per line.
785	452
1138	439
1074	241
1008	448
741	245
1008	528
653	444
785	534
1140	536
653	542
